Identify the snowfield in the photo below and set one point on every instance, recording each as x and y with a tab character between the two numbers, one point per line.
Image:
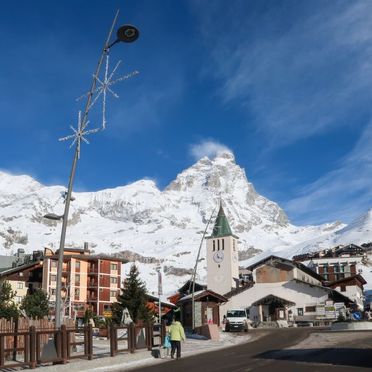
164	226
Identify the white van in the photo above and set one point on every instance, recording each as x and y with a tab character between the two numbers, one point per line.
236	320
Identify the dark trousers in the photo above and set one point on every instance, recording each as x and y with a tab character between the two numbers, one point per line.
176	345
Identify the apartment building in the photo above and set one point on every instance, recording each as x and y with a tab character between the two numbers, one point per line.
88	281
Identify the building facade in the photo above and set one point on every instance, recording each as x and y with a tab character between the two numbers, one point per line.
88	281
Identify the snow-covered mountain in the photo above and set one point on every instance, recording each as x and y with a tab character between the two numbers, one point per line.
154	226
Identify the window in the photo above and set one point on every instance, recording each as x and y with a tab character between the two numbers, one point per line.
223	244
77	265
106	307
218	244
53	278
310	309
19	285
77	292
77	279
113	279
300	311
113	293
18	299
343	288
214	245
52	291
53	263
114	266
234	245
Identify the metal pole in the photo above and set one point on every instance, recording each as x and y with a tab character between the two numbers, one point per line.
195	268
71	181
160	291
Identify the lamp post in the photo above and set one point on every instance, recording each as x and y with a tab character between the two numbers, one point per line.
160	290
126	34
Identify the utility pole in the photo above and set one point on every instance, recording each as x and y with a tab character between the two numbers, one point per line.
160	290
195	268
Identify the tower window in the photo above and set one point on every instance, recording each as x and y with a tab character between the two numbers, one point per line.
218	244
219	266
214	245
234	245
223	244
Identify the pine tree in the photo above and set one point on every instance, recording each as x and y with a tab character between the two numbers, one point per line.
8	309
133	297
36	304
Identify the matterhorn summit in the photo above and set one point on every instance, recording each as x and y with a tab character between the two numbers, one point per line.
151	226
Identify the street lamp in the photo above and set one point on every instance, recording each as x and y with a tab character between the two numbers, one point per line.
53	216
127	34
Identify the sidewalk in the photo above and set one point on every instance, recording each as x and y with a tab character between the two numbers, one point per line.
140	358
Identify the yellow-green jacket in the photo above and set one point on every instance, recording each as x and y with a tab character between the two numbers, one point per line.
176	332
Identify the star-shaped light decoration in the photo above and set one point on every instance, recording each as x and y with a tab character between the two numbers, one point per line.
79	134
105	86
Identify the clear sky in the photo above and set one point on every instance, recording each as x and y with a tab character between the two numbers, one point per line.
286	85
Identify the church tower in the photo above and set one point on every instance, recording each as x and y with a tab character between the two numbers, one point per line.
222	256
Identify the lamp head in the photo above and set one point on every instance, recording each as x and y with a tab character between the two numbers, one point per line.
127	34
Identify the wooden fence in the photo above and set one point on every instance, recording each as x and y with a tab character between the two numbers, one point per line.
42	343
20	337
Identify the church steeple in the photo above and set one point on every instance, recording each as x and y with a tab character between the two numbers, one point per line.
222	256
221	226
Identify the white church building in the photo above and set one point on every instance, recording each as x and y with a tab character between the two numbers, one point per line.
279	289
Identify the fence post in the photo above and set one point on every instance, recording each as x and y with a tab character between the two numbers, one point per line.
2	356
15	339
131	337
149	335
90	342
33	356
113	335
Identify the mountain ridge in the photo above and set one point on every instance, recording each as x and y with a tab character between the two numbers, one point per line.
165	225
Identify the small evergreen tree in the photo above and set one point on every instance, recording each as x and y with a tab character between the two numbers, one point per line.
36	304
8	309
133	297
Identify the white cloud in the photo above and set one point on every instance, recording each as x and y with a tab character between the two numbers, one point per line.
310	78
209	148
344	193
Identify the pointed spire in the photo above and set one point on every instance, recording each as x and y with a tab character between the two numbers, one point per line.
221	226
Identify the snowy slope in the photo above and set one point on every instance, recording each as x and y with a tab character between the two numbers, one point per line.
159	226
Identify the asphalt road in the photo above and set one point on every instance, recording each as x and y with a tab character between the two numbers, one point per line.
267	354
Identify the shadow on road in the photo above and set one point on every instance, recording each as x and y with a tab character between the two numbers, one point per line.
335	356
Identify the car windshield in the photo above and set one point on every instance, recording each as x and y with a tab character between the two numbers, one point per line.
236	314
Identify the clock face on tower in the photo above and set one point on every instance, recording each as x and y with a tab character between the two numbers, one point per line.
218	257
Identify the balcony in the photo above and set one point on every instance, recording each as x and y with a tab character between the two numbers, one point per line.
92	270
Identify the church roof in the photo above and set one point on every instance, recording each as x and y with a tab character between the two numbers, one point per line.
221	226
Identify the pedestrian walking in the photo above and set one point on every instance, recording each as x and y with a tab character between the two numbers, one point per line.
176	334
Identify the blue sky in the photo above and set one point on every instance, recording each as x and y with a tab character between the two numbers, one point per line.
286	85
